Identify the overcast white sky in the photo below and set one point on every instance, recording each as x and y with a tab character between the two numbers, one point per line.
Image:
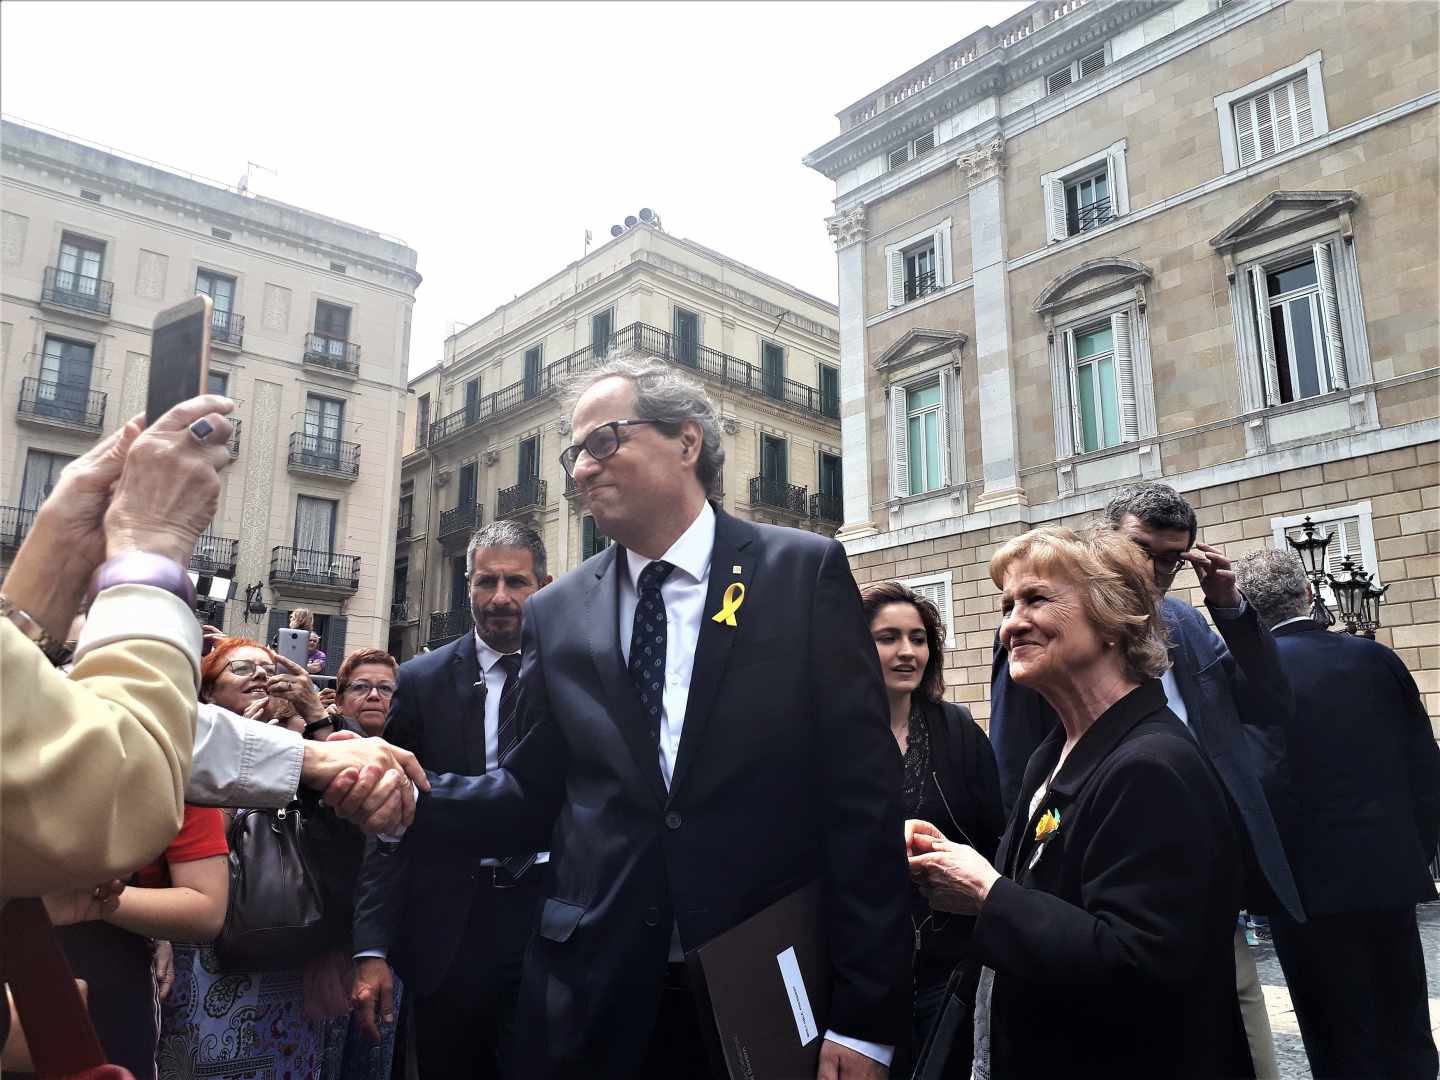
488	137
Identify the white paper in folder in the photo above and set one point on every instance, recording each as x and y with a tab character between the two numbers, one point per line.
799	999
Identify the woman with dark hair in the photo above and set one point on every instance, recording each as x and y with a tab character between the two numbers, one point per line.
950	779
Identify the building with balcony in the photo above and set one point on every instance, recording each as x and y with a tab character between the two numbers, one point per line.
485	428
310	336
1188	241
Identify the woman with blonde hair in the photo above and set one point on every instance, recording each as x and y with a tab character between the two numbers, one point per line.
1105	929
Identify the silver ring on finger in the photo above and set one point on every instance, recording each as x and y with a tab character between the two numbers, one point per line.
202	429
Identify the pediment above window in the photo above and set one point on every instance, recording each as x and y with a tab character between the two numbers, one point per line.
1283	212
920	344
1092	281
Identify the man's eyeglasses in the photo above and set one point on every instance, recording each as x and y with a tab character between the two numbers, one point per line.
1165	565
364	689
600	444
245	668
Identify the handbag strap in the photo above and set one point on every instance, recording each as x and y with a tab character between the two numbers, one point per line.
57	1027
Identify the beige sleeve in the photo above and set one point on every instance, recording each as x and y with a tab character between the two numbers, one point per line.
92	768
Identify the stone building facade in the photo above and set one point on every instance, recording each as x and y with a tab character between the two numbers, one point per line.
311	337
1108	240
485	428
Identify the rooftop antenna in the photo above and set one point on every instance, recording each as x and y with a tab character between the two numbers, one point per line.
243	187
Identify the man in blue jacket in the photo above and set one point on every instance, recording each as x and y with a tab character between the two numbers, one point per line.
1232	694
1362	825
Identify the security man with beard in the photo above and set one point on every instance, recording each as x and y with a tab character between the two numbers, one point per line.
455	926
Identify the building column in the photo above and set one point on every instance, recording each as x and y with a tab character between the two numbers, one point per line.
999	446
848	231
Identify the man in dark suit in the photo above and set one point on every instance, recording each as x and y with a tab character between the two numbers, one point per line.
453	924
1363	824
706	731
1232	694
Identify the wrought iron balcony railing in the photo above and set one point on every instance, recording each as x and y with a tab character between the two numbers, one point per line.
227	329
333	353
462	519
15	522
321	454
827	508
652	341
307	566
446	626
920	285
1085	218
73	404
67	289
529	494
403	523
215	555
399	611
777	495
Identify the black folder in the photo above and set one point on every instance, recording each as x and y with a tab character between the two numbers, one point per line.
763	991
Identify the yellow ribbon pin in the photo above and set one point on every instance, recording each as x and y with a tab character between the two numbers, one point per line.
734	597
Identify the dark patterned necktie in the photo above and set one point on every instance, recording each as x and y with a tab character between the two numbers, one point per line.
508	734
647	646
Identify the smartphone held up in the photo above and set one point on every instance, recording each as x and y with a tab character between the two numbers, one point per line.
179	355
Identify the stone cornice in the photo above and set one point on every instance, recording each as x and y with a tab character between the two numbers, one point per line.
1060	295
920	344
1307	206
993	72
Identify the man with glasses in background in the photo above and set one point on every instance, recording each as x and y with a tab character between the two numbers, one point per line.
1229	690
455	926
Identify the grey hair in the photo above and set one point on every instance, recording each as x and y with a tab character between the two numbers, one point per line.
508	534
1157	506
666	396
1275	584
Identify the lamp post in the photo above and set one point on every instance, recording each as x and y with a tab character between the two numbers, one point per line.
1311	550
1370	609
1350	592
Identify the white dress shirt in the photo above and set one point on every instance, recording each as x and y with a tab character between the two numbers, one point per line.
683	594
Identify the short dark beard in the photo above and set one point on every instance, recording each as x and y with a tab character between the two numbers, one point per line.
499	646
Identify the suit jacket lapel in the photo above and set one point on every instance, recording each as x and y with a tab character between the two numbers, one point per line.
602	619
469	702
1184	663
734	546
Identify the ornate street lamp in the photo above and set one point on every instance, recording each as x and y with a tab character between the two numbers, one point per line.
1349	593
1311	549
1370	609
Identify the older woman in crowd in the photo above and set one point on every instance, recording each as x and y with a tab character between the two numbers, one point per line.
225	1023
356	1046
1105	929
950	779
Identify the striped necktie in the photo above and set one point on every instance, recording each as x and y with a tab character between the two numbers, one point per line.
508	732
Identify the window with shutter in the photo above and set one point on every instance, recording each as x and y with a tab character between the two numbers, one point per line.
1120	326
1092	63
924	144
899	451
939	590
896	278
1273	121
899	156
332	321
1058	80
1297	325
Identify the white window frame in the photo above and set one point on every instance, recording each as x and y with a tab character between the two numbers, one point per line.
1360	511
1136	403
1052	189
1225	104
945	377
895	254
906	152
1342	320
1075	69
939	589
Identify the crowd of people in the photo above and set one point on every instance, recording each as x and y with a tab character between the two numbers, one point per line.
493	859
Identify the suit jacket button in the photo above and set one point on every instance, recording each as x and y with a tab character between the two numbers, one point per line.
652	916
672	820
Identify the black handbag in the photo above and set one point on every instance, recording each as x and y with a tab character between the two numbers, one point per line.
276	917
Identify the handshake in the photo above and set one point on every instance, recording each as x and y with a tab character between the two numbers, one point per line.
368	782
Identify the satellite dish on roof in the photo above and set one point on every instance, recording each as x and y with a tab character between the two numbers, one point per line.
616	230
630	221
647	215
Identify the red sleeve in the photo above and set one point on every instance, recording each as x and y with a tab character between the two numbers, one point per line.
201	836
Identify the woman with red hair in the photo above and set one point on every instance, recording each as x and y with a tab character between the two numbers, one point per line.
264	1022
